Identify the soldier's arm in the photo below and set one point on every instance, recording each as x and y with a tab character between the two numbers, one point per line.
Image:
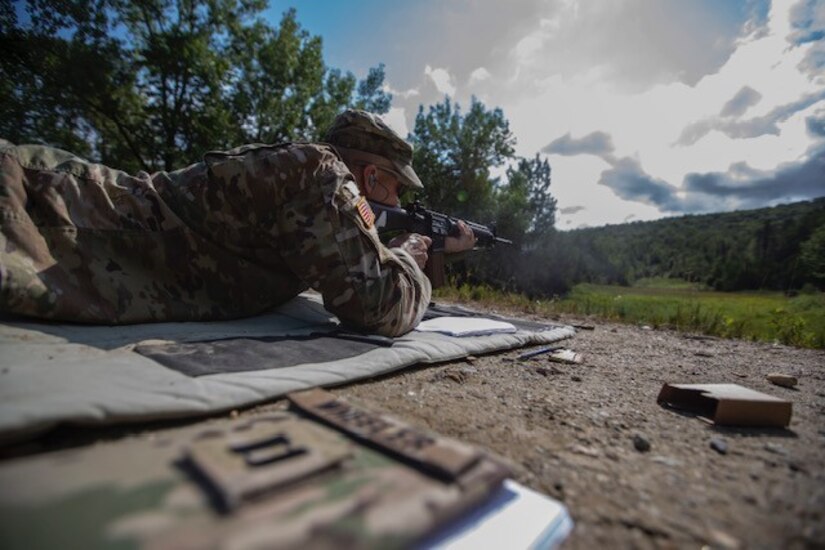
331	245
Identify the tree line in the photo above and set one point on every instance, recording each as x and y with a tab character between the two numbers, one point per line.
776	248
153	84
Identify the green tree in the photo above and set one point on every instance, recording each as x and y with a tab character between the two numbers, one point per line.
181	54
454	153
283	91
812	256
371	95
152	84
59	73
277	78
527	193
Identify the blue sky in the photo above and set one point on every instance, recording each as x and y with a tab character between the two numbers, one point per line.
644	108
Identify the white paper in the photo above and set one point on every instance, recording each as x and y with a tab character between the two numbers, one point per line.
465	326
515	517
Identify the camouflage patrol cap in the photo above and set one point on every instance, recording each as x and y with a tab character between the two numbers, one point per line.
366	135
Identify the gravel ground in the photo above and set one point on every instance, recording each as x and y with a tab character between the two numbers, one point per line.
632	473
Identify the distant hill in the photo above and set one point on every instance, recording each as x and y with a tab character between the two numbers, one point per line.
749	249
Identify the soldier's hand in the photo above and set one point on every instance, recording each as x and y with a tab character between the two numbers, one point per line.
465	240
415	244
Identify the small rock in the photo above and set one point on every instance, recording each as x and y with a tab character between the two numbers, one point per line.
641	443
545	371
470	358
703	354
784	380
234	413
411	393
720	539
699	337
775	448
614	330
647	327
455	376
719	445
575	378
796	466
667	461
586	451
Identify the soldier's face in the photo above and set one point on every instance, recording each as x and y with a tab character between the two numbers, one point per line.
386	188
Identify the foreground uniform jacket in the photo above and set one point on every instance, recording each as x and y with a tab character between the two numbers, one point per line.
234	235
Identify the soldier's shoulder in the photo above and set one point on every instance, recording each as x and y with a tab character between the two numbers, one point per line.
315	149
321	156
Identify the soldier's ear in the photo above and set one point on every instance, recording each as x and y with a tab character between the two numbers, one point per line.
369	177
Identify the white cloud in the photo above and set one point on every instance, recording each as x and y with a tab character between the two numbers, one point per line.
396	119
635	42
644	124
403	94
634	75
528	46
442	80
479	74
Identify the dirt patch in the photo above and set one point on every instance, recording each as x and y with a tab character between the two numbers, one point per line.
631	472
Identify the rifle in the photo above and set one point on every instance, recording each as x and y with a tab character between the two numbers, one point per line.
414	218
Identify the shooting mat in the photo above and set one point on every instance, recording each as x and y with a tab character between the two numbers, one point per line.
53	373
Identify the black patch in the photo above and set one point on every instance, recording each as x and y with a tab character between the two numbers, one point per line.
251	354
113	266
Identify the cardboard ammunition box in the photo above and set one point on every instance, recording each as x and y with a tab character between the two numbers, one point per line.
728	404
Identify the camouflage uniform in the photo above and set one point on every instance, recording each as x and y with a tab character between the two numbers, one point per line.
278	480
236	234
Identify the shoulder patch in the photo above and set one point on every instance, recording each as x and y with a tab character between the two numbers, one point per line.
365	212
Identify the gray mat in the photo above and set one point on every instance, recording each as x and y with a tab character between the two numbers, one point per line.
53	373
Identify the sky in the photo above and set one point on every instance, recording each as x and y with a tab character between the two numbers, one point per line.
644	108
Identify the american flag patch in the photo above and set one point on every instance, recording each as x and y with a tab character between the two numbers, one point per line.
365	212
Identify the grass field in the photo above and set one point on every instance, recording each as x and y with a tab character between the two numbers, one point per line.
766	316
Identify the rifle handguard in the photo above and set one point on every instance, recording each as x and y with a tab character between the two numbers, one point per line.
414	218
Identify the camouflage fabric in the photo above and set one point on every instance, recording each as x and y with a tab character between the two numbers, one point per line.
368	135
239	233
278	480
